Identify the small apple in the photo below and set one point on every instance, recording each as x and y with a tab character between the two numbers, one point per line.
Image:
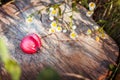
30	44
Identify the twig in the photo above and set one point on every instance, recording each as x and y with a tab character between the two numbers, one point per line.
113	75
75	75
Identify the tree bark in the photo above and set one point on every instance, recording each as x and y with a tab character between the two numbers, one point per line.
84	58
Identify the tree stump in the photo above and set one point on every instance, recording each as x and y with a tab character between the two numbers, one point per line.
84	58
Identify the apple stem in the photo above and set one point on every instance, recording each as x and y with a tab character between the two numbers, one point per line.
38	49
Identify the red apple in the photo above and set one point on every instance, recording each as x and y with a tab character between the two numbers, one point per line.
31	43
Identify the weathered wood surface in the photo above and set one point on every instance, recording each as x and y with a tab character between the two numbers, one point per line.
72	59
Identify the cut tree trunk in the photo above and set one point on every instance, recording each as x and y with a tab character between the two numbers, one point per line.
84	58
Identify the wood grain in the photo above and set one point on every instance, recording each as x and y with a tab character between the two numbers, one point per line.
73	59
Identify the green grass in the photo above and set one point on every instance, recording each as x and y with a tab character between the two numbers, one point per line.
107	15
